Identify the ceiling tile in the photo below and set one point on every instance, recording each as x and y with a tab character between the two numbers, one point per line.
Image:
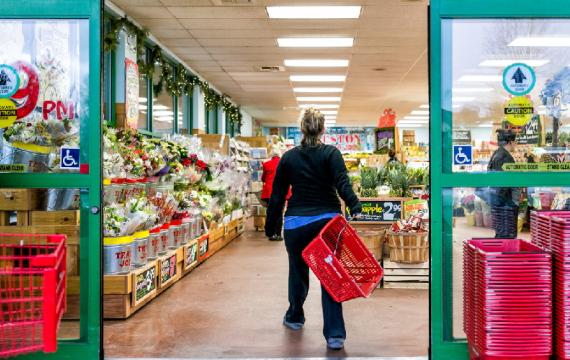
137	3
171	34
186	2
160	24
236	33
218	12
227	24
238	42
151	12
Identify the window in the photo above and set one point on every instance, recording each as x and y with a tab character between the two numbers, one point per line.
143	100
183	117
162	107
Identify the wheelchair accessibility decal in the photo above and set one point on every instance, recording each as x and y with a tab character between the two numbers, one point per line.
69	158
462	155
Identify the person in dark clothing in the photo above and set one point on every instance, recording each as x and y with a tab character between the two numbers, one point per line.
392	155
269	170
316	173
504	201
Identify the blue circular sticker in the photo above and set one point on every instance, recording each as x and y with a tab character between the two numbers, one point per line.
519	79
9	81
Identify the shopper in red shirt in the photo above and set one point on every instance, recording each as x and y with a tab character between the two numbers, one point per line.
269	170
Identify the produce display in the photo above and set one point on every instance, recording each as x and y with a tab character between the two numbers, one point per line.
393	179
165	187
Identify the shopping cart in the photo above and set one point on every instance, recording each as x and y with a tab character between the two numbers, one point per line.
32	292
341	261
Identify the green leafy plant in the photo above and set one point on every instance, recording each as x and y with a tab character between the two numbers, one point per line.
368	178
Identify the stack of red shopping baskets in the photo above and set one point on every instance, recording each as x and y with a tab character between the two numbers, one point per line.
560	246
32	292
508	299
540	226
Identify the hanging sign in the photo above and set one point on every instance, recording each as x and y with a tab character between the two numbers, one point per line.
385	140
131	94
9	81
519	79
8	113
519	110
387	119
462	136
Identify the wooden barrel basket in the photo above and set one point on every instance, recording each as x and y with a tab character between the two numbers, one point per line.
409	248
374	241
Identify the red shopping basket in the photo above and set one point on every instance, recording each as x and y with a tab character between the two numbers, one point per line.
32	292
342	263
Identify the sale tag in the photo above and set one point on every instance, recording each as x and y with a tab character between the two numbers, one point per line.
519	110
8	113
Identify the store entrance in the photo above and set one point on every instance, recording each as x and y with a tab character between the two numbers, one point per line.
199	112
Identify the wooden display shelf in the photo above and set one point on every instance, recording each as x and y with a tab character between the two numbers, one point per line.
127	293
406	276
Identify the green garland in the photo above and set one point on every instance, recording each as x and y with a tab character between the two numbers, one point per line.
178	83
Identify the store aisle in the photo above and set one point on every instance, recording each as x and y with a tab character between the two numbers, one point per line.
232	306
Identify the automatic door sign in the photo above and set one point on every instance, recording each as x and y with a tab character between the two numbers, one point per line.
519	110
519	79
462	155
9	81
69	158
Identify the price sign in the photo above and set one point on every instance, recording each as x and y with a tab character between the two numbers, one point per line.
167	269
144	283
381	210
190	255
203	246
462	137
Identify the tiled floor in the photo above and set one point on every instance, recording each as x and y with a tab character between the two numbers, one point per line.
232	306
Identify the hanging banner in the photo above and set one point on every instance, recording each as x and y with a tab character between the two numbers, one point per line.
387	119
131	94
346	139
519	110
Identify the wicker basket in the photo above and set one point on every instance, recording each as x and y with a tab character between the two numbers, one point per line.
408	248
374	241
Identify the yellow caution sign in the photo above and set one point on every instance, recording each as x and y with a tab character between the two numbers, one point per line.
519	110
7	113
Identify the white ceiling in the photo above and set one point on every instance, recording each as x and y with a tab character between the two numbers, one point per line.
226	44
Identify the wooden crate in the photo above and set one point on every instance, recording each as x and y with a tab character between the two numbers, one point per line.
241	225
72	231
64	217
72	290
406	276
21	217
20	199
125	294
259	222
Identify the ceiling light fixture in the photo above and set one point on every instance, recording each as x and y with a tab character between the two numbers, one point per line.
425	106
317	89
318	42
329	112
507	62
321	106
472	90
404	121
313	12
420	112
481	78
318	98
536	41
462	98
423	117
413	125
485	125
160	107
315	63
318	78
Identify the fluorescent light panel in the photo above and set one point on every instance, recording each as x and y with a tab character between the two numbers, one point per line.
315	63
409	117
413	122
507	62
535	41
321	106
425	106
485	125
315	42
412	125
313	12
329	112
420	112
318	98
318	89
472	90
462	98
481	78
318	78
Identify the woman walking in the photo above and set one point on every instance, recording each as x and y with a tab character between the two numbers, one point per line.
316	172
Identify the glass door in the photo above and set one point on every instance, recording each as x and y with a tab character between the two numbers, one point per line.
50	140
499	134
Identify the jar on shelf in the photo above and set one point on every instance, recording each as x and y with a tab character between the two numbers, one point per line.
186	227
117	255
165	241
131	188
140	247
120	189
177	234
154	243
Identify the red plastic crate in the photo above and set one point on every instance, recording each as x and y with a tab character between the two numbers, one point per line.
508	299
341	261
32	292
